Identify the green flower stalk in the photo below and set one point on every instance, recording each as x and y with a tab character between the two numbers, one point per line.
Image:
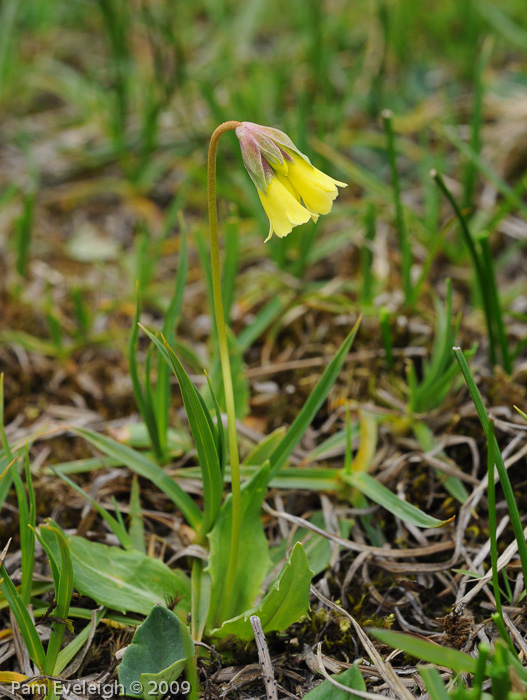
292	192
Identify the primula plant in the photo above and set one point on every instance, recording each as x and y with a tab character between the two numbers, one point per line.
282	176
233	558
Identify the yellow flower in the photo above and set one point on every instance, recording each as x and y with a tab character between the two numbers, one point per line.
291	190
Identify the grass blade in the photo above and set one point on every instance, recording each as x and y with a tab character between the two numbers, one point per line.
502	471
114	525
170	324
427	651
63	595
142	399
204	434
23	620
378	493
143	466
434	684
309	409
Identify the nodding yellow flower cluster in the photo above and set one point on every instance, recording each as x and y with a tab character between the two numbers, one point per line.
291	190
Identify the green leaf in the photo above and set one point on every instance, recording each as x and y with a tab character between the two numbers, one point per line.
63	593
378	493
309	409
434	685
522	414
204	434
23	620
178	442
159	652
115	526
500	465
427	651
136	526
200	583
170	324
318	549
285	603
124	580
253	558
70	651
221	445
352	678
263	319
143	398
261	452
143	466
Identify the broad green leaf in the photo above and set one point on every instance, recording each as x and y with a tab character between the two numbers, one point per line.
124	580
309	409
204	434
143	466
458	661
285	603
352	678
23	620
159	652
253	558
378	493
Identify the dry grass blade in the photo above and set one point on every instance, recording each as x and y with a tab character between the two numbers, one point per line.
380	553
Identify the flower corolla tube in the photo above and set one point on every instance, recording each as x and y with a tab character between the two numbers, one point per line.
291	190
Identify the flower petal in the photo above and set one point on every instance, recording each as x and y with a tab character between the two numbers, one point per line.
317	189
282	208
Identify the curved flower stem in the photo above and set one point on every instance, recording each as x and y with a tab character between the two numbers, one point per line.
225	365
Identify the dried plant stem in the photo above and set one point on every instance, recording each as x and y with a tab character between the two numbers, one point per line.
225	363
264	658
